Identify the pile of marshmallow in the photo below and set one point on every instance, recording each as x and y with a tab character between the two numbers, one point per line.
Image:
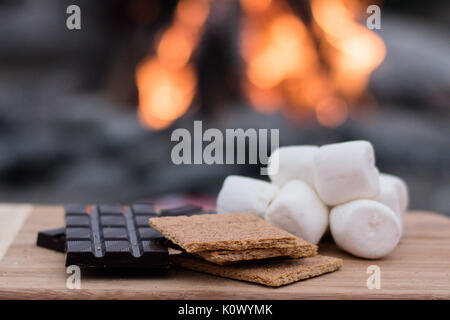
336	186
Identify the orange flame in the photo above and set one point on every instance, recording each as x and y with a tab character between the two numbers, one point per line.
174	48
283	60
192	13
331	112
352	50
266	100
276	47
255	6
284	65
167	81
164	98
282	55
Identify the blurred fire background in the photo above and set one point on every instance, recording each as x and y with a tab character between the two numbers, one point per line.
86	116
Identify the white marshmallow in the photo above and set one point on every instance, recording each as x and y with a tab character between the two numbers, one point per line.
293	163
400	187
298	210
242	194
389	195
345	171
365	228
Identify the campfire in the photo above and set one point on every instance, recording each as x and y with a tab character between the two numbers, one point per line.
167	81
314	59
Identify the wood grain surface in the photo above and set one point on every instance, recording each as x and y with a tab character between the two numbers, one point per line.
419	268
12	217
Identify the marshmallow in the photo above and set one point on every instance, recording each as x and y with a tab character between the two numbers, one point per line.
365	228
400	187
242	194
298	210
390	194
293	163
345	171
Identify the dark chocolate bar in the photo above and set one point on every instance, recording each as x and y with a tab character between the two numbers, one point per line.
124	235
54	239
109	236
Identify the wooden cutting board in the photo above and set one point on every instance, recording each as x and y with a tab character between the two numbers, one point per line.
419	268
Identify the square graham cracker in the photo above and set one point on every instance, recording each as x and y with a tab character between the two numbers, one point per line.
272	272
230	231
300	250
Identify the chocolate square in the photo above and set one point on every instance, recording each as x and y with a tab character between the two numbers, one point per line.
77	221
115	233
110	209
78	233
75	209
142	221
112	221
149	233
143	209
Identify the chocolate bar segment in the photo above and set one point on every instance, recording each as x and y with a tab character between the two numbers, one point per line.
108	209
76	209
114	238
143	209
115	229
186	210
54	239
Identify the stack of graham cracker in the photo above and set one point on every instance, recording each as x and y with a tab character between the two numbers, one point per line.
238	245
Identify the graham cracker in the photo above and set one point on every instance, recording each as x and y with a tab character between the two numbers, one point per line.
272	273
301	249
230	231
